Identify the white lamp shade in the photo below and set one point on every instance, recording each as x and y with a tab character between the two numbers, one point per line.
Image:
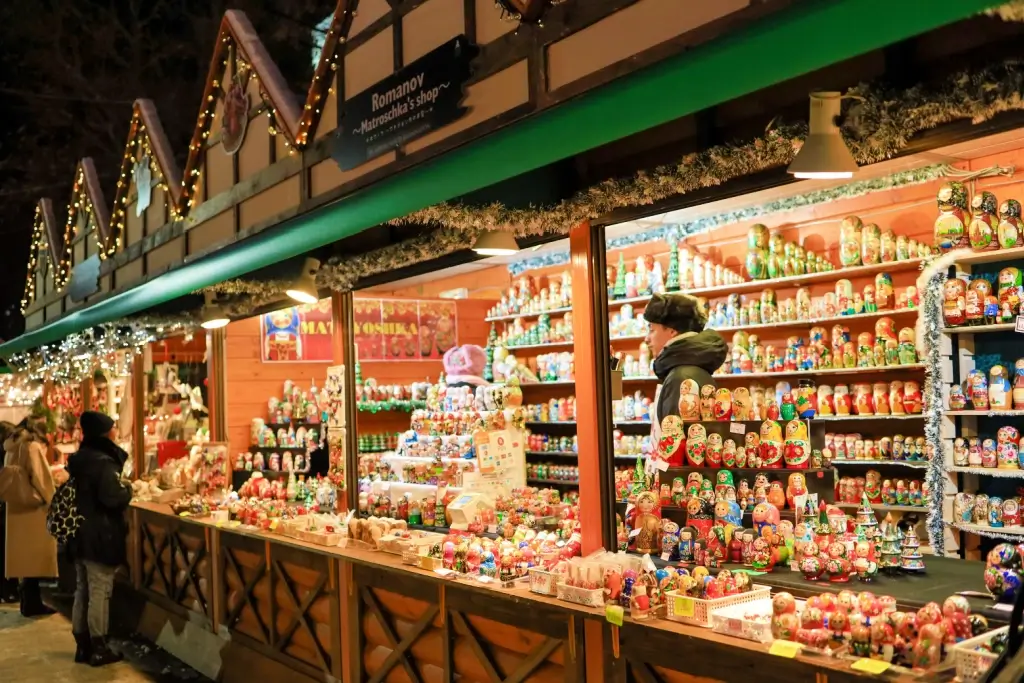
496	243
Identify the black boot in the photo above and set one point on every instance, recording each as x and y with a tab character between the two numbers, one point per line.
83	648
102	654
32	600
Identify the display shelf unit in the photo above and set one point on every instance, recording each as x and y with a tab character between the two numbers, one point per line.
822	371
887	507
914	464
553	482
960	347
814	322
553	454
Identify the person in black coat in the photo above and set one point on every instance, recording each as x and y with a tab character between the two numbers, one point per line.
681	347
99	546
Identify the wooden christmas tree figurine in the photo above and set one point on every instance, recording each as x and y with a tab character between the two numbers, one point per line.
620	278
672	279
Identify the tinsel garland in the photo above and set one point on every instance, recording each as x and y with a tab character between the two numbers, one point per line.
846	191
930	328
993	533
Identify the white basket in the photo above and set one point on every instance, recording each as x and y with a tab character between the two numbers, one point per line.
733	621
972	663
697	611
581	596
544	582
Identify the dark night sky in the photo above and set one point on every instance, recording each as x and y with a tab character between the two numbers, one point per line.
69	72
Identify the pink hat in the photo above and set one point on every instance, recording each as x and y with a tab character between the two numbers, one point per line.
465	363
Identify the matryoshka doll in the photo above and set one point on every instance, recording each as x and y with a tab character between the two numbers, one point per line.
1011	512
995	512
842	400
980	514
826	405
907	348
707	402
1010	231
1000	395
757	252
689	401
1018	385
862	400
954	302
741	404
1006	447
722	405
954	217
771	445
844	297
871	244
978	292
880	398
797	445
850	238
957	398
960	452
974	453
989	455
888	246
1009	294
696	445
963	507
977	389
983	227
769	308
896	406
714	451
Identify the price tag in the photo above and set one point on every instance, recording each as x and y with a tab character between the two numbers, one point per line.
737	428
614	614
785	648
185	514
1019	326
661	465
684	607
870	666
666	557
735	625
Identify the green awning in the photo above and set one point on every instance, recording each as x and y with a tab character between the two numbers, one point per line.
803	38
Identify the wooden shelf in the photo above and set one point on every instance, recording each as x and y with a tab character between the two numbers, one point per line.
916	464
554	454
824	371
628	423
811	322
885	506
985	413
758	285
857	418
990	471
554	482
750	470
979	329
994	256
981	529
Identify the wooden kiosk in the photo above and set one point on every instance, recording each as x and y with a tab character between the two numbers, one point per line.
620	87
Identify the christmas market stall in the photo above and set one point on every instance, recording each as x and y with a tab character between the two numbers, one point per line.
401	370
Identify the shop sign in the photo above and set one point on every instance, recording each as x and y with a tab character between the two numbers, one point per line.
404	329
424	96
298	334
85	278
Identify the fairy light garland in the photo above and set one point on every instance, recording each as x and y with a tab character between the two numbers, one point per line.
38	244
323	75
138	148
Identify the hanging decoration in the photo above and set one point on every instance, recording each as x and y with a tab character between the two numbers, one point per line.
143	177
236	109
525	11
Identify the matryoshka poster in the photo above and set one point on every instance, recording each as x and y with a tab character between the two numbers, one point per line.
297	334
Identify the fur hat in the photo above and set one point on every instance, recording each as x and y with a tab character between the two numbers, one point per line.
95	424
466	360
680	312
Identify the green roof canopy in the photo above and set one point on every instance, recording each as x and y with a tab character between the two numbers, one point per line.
805	37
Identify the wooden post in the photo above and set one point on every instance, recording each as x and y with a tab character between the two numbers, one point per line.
344	342
216	373
139	386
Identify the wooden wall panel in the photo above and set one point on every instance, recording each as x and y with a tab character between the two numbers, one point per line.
371	62
485	100
431	24
269	202
128	273
327	175
254	156
33	319
627	33
133	225
157	214
219	173
489	24
369	12
165	256
54	310
250	383
215	230
329	112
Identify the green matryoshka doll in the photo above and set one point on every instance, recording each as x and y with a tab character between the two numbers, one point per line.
984	226
776	255
757	252
954	217
1010	230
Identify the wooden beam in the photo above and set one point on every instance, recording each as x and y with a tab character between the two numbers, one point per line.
344	351
216	373
138	381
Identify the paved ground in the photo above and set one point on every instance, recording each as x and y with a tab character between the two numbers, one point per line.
38	650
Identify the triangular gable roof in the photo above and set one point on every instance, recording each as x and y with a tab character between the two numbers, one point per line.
145	130
323	76
44	226
236	29
87	196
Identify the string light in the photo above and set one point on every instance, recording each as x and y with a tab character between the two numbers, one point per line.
83	192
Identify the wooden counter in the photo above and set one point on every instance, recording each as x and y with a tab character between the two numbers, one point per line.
329	614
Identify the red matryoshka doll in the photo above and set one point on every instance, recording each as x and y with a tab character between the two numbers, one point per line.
714	451
842	400
797	445
723	405
1000	395
707	403
954	302
689	402
912	401
771	445
729	453
1011	512
696	445
1010	231
672	440
885	328
978	292
983	227
1006	447
954	217
977	390
862	400
776	494
896	406
880	397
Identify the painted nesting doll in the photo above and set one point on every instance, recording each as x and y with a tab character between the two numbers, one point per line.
771	444
954	302
984	225
797	445
696	445
977	294
870	245
850	239
1010	230
954	217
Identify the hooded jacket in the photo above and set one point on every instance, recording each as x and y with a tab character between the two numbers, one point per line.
102	500
694	357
